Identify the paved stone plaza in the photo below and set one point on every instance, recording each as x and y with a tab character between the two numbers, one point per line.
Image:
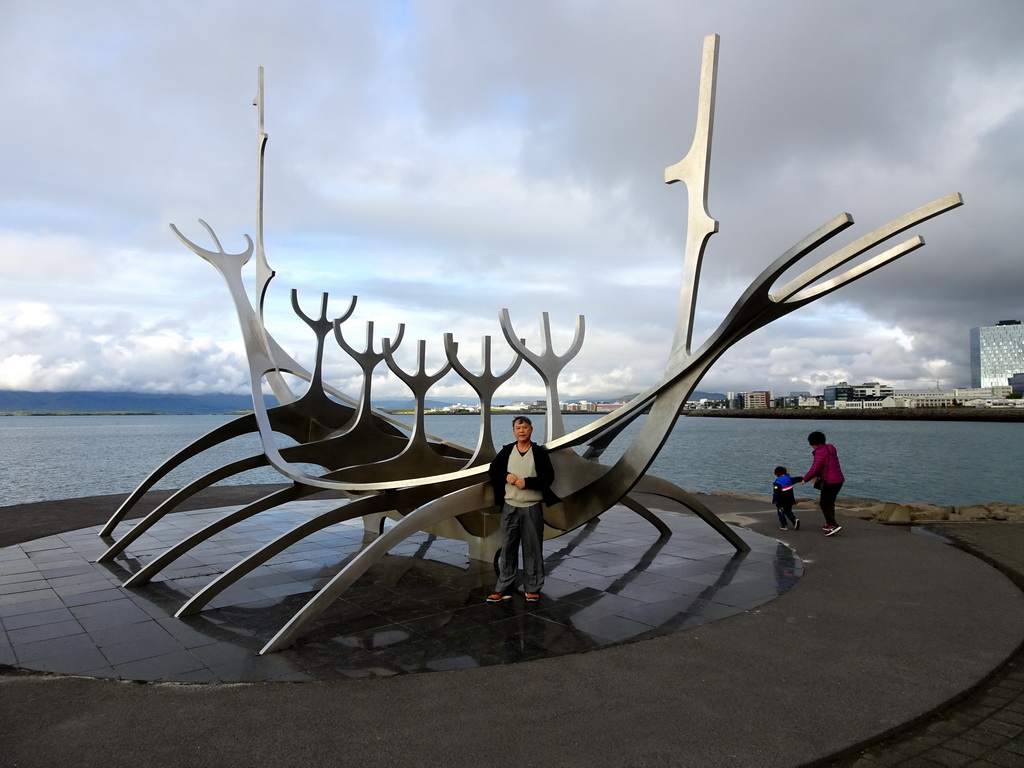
421	609
882	628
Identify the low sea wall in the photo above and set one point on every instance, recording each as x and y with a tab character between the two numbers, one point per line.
879	414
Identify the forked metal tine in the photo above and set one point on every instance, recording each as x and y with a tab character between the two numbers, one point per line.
876	262
214	257
368	352
547	364
546	358
420	380
865	243
321	325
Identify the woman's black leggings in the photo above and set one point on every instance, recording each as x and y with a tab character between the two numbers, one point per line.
827	502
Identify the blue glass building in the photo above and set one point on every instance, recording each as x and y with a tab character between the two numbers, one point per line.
997	353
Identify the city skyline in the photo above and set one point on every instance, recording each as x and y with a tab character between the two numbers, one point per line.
440	192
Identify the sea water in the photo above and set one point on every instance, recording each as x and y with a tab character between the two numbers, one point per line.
957	463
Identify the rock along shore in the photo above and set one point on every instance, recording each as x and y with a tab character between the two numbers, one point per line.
897	514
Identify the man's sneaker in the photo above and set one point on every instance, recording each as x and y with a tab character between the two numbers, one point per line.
796	524
834	529
532	597
497	597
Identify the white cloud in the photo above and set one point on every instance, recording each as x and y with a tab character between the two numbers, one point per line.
443	161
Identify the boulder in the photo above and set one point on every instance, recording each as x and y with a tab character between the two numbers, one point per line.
996	510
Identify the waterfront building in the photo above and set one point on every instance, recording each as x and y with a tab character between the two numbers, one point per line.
981	393
537	406
835	393
759	399
706	403
803	399
871	390
862	405
995	402
921	399
997	353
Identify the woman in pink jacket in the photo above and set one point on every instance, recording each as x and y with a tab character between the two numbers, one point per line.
826	467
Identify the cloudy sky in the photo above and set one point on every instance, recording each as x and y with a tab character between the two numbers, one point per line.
443	160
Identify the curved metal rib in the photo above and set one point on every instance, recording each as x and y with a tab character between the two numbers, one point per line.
179	496
340	514
235	428
157	564
646	514
468	499
656	486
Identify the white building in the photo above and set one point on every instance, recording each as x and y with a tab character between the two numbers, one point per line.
925	399
995	402
981	393
860	405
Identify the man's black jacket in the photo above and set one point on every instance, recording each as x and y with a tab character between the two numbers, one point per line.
498	471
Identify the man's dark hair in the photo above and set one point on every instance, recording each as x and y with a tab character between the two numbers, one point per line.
816	438
524	419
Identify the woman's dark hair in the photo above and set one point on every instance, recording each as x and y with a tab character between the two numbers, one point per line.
816	438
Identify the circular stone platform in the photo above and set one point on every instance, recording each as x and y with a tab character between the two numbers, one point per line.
421	609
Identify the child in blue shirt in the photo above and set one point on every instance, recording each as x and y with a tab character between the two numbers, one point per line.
783	499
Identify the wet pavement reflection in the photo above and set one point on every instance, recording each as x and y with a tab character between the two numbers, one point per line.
421	609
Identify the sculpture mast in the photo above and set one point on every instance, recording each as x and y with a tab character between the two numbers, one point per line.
692	170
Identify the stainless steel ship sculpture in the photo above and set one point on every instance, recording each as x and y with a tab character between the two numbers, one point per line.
385	469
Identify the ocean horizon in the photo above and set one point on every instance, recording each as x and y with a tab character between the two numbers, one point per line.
945	463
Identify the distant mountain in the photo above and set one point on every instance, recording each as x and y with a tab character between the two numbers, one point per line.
12	401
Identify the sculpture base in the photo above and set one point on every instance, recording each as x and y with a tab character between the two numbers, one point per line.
420	609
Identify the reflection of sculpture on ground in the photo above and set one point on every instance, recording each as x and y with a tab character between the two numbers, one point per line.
429	484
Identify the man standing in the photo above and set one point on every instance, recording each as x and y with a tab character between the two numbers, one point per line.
521	475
